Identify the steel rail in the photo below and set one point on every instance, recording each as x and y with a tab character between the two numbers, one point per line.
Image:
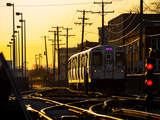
75	109
137	113
29	108
101	115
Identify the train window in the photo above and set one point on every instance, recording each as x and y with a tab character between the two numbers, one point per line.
97	59
120	58
108	56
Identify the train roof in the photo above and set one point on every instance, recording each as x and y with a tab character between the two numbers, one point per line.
91	49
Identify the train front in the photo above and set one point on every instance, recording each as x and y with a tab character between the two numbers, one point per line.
108	68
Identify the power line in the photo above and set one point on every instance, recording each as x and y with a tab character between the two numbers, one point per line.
152	35
72	19
150	8
114	40
121	22
50	5
130	42
151	20
124	28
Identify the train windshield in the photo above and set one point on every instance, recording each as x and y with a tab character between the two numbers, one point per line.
120	58
97	59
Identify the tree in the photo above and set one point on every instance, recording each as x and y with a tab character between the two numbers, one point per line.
152	7
40	72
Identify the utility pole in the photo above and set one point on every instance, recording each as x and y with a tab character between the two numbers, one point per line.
58	51
46	55
83	24
67	47
141	34
53	49
103	14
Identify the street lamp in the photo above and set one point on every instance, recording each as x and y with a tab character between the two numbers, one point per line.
24	41
10	50
18	13
14	72
18	50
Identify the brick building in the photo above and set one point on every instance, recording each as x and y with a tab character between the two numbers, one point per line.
124	30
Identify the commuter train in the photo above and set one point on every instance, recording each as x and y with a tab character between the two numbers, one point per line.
103	66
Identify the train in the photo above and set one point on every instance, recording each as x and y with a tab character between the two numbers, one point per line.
103	66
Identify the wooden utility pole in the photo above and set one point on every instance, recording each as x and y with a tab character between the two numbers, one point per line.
67	47
53	54
58	52
83	24
103	14
46	55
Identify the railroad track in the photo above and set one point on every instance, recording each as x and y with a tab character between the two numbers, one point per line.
50	105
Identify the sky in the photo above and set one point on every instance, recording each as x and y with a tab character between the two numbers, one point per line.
42	15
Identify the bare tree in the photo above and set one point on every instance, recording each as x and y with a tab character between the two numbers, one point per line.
151	7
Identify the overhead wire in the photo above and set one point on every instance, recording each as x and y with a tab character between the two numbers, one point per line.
124	28
130	42
151	20
120	7
152	35
124	35
121	21
49	5
150	8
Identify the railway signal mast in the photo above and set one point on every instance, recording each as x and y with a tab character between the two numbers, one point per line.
149	79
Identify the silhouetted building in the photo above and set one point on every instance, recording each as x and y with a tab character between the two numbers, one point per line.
105	34
124	30
71	51
87	45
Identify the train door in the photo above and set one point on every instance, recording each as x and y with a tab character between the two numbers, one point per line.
97	67
108	65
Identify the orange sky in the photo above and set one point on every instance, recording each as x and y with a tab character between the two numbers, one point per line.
41	15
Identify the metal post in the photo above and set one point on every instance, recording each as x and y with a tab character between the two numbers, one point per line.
15	55
102	23
58	55
25	45
46	56
141	35
66	54
18	46
19	52
14	72
22	41
85	81
54	54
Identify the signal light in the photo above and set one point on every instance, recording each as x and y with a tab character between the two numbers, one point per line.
56	74
50	74
149	82
149	66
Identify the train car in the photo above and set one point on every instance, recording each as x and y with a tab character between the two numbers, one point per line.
105	67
